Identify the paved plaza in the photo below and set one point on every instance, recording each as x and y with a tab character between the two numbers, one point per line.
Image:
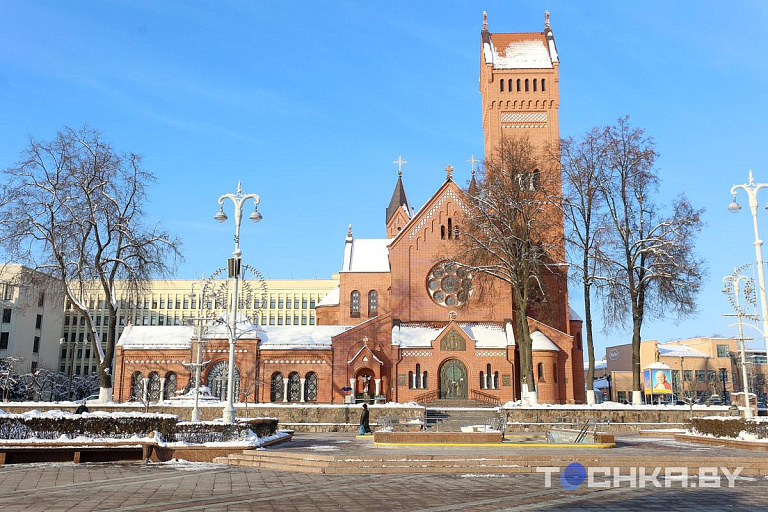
187	486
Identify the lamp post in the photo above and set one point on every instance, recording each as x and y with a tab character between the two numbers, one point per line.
75	344
198	365
752	188
734	281
233	271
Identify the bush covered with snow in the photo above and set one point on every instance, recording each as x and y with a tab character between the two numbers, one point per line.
730	427
54	424
212	432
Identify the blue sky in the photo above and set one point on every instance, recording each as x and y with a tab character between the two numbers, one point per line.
308	103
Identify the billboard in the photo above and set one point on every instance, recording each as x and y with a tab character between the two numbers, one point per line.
657	381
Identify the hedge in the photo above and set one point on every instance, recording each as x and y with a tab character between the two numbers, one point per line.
18	426
207	432
730	427
46	426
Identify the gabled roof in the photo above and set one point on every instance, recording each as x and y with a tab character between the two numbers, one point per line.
295	337
679	351
485	335
527	50
331	299
365	348
150	337
399	200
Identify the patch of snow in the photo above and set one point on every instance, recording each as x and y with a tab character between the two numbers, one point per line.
540	342
331	299
322	448
367	255
483	475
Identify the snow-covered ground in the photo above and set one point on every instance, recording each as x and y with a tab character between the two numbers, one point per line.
614	405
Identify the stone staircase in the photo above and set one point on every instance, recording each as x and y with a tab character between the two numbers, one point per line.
451	415
303	462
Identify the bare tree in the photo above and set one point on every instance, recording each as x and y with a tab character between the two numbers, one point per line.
651	266
582	162
73	209
509	234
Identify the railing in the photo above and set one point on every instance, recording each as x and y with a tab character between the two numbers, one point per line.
429	396
585	429
484	397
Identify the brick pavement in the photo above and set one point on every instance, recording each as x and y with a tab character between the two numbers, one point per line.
207	487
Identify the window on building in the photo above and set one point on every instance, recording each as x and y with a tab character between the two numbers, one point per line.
723	351
281	303
154	303
272	303
279	320
40	299
186	303
621	396
701	376
711	376
687	375
518	85
88	353
304	303
543	85
373	303
501	86
723	375
178	306
77	370
93	369
80	337
296	320
540	366
82	320
526	85
122	320
153	321
38	321
63	353
276	388
354	304
4	340
98	320
271	320
310	387
288	303
288	320
161	320
535	84
36	345
311	320
510	85
62	368
296	303
312	303
303	320
7	315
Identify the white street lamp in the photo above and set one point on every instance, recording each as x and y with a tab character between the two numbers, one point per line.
734	281
233	268
751	188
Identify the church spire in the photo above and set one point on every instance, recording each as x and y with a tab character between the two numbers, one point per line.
399	199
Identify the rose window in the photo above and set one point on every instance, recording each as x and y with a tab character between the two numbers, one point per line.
449	284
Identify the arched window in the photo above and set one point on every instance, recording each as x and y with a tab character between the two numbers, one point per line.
373	303
482	380
450	228
310	387
137	386
217	380
536	180
518	85
424	383
526	85
411	382
510	85
442	232
456	232
354	304
495	380
535	85
543	85
276	390
153	387
501	85
540	371
294	387
170	385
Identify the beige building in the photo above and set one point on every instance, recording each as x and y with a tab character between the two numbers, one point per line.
168	302
30	318
700	368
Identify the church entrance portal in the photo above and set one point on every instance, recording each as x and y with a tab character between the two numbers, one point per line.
453	380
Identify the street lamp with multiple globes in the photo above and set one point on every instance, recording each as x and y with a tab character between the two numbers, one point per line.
752	188
233	272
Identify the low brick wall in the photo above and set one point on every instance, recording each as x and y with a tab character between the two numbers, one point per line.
530	419
438	437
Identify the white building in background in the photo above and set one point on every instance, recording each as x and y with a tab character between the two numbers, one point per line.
31	318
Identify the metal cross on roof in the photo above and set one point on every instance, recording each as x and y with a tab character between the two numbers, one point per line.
449	170
400	163
472	161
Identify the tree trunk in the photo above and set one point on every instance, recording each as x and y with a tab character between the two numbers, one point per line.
590	340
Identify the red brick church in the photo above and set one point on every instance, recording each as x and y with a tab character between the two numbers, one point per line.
404	324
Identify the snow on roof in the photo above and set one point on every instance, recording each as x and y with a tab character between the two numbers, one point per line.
599	365
219	329
358	353
366	255
485	335
573	314
332	299
294	337
657	366
542	343
147	337
518	51
679	351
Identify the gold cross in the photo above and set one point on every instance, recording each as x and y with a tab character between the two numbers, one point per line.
449	170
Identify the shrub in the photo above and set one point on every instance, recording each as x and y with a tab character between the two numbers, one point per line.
730	427
208	432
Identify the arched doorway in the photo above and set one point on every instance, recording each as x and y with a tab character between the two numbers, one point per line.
453	380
